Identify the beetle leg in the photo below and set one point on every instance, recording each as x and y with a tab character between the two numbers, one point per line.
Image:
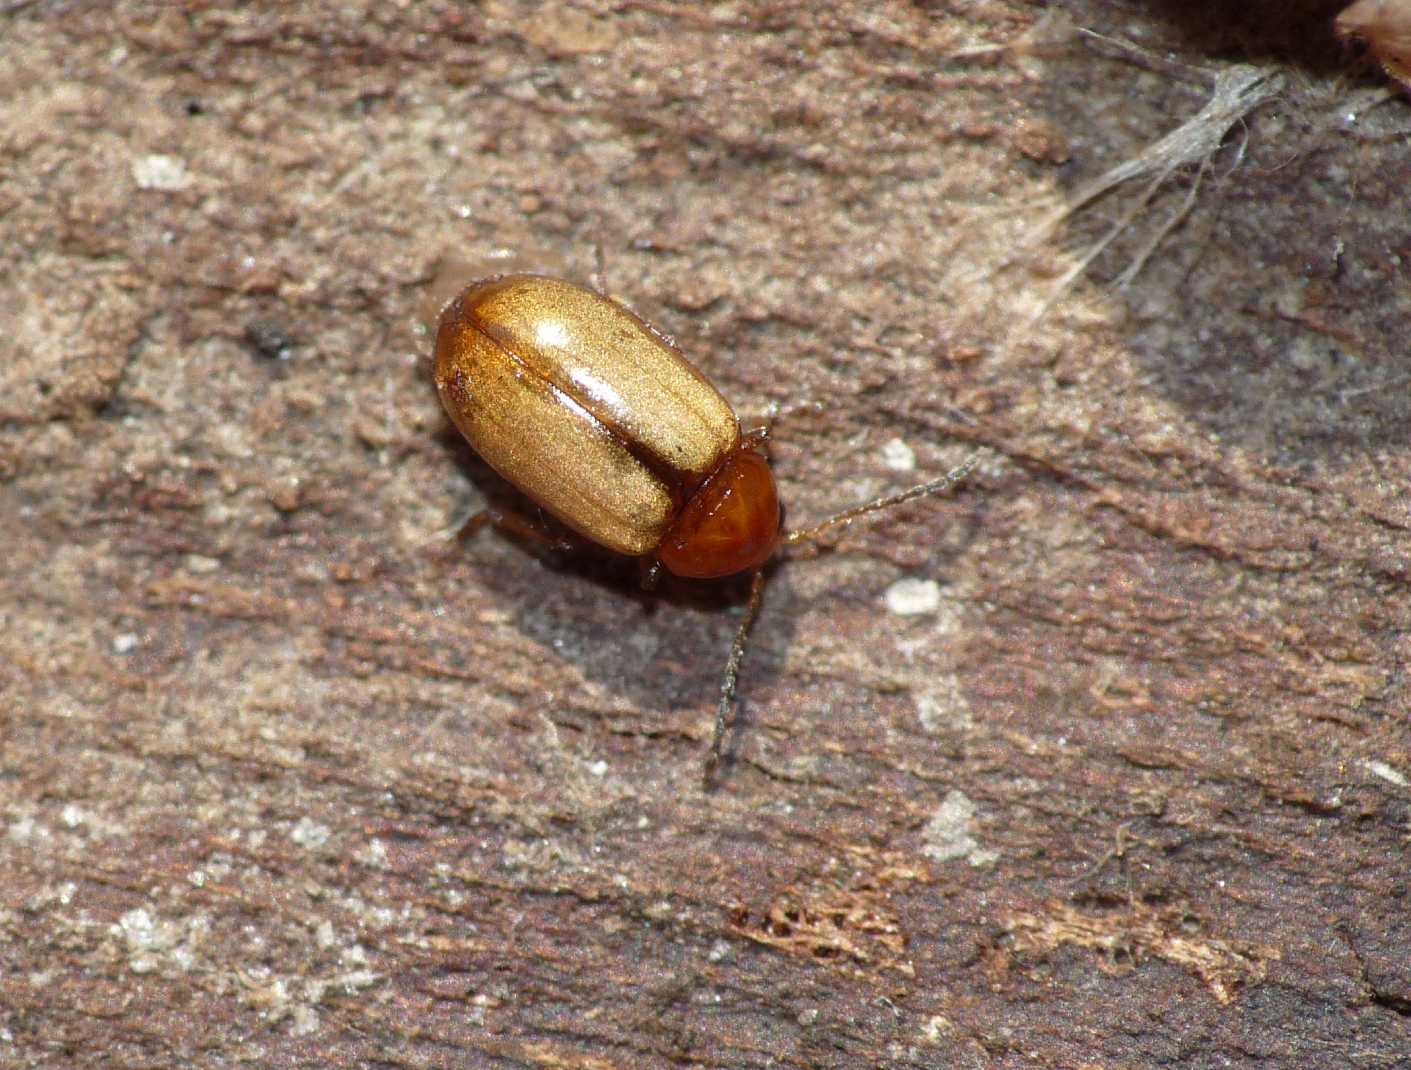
776	412
756	439
732	673
514	524
847	516
473	522
600	268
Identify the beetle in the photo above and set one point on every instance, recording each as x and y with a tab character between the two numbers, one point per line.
595	416
1385	25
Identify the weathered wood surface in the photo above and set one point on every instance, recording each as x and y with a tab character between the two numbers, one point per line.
290	778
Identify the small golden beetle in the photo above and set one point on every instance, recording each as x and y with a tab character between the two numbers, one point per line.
596	417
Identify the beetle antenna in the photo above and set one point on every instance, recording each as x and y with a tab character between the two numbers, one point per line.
847	516
732	673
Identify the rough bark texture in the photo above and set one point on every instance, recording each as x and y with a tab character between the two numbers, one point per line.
1102	762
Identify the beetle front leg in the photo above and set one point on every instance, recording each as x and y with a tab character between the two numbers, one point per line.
758	437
